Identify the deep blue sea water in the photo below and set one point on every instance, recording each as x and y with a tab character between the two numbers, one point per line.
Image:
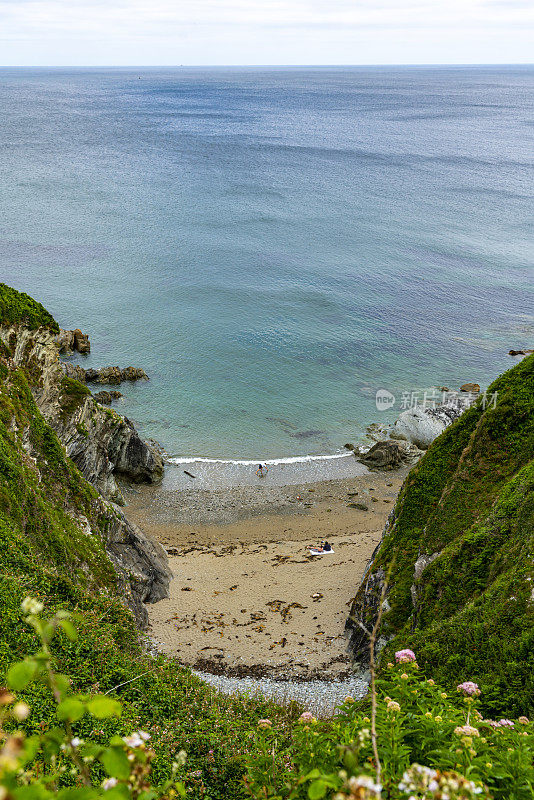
274	245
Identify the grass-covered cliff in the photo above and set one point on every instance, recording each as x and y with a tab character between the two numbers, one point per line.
459	552
55	531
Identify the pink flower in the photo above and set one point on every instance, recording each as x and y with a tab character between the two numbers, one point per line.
264	723
401	656
466	730
468	688
306	716
506	723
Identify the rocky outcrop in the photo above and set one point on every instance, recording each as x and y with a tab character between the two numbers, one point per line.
106	398
520	352
115	375
472	388
70	341
387	455
141	563
103	444
421	426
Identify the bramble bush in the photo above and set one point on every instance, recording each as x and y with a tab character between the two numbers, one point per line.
432	744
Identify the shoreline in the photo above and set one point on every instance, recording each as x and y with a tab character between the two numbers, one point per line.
248	599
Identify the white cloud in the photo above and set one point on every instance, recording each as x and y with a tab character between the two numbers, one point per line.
232	31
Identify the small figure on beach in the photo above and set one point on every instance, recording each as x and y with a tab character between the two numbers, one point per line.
324	547
262	471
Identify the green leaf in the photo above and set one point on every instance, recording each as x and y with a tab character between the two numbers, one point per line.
103	707
115	762
34	792
62	683
79	793
118	792
70	709
69	629
316	790
20	674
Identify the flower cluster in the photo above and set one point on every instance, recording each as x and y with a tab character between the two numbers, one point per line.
432	783
468	688
136	739
403	656
306	717
360	787
264	723
466	730
31	606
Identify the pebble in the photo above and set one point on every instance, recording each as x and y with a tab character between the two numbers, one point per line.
319	697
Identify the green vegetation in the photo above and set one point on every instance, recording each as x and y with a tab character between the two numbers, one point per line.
73	394
46	507
417	722
419	742
471	501
18	307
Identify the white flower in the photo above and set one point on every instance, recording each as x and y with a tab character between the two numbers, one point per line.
76	742
109	783
136	739
21	711
31	606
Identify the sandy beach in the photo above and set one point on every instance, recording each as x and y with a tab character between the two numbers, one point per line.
247	596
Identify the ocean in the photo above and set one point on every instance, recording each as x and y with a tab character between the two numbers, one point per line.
274	245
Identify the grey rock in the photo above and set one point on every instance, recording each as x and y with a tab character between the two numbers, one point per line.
115	375
420	565
421	426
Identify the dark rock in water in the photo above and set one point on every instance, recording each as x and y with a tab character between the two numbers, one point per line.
115	375
349	446
359	506
384	455
103	397
470	387
106	397
81	341
519	352
133	374
69	341
109	375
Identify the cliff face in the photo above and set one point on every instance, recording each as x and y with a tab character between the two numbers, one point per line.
45	498
458	550
101	442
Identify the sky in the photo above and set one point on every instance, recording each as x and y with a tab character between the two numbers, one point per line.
239	32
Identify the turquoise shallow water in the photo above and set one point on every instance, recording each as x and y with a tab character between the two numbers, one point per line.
275	245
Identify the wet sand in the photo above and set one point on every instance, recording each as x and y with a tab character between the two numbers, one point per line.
247	597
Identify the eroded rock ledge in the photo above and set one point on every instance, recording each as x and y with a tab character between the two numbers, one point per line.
103	445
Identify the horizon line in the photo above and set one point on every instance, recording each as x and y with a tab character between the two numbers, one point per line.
273	66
